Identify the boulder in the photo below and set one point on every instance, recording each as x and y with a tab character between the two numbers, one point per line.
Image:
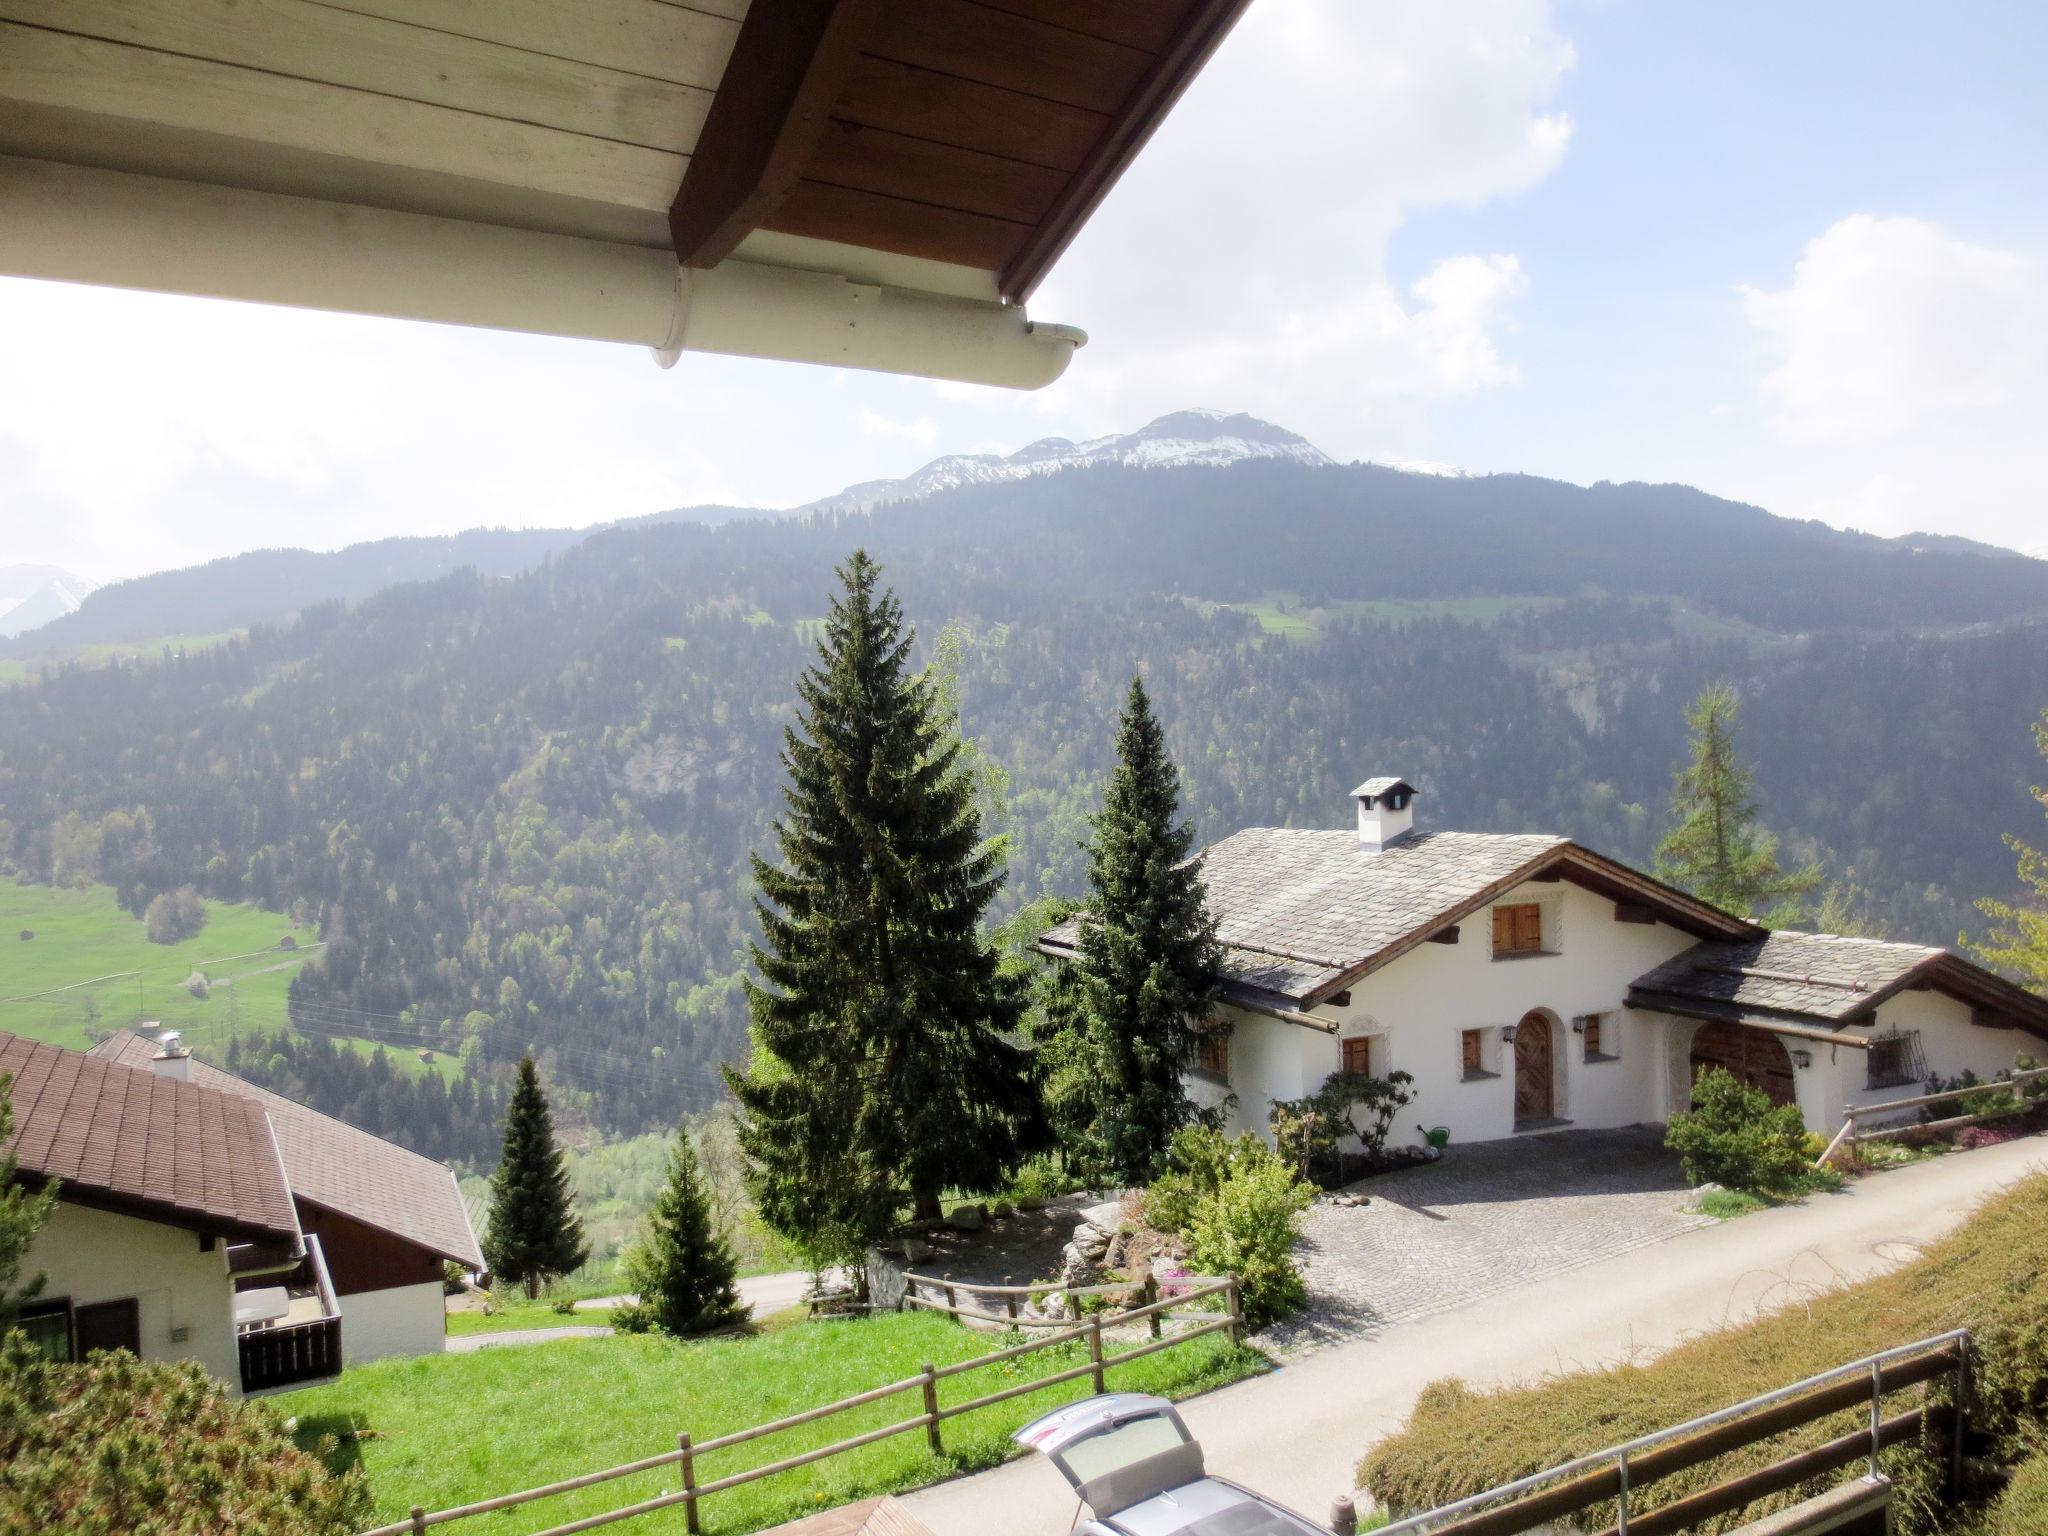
1107	1217
967	1218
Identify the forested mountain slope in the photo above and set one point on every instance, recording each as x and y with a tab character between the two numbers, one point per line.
521	808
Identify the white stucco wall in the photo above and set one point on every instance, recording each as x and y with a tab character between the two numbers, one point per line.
88	1256
1419	1005
1950	1043
404	1320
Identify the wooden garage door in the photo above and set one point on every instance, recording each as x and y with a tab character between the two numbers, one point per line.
1753	1056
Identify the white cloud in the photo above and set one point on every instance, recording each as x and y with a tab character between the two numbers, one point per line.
1246	255
1890	322
921	430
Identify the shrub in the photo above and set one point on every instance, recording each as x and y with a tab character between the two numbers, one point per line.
198	985
2022	1510
1985	1276
118	1444
27	934
1733	1137
632	1317
454	1278
1306	1131
1042	1178
174	916
563	1306
1239	1207
1996	1098
1974	1136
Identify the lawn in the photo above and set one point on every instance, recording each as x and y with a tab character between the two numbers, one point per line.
523	1317
91	965
405	1059
446	1429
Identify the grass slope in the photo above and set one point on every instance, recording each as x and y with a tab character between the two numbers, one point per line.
84	936
15	669
1986	1276
444	1429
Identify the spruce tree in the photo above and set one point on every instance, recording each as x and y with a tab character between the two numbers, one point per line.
534	1235
1123	1022
883	1067
683	1269
1716	850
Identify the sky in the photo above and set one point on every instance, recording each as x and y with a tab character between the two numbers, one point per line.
1792	254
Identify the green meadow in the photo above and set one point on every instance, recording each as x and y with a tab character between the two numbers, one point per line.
21	669
90	966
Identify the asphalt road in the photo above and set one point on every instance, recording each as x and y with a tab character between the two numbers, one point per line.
1297	1433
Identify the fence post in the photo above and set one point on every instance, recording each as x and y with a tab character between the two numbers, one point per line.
1011	1298
1236	1313
931	1409
1962	1389
1151	1295
419	1518
689	1482
1095	1349
951	1304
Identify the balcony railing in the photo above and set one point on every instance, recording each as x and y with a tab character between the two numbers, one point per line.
288	1353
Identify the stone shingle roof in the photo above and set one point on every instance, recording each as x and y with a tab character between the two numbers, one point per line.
338	1167
1373	788
1809	975
1296	910
179	1152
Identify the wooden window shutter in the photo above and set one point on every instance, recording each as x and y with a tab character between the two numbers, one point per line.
1503	929
1358	1054
1528	928
1470	1046
1592	1034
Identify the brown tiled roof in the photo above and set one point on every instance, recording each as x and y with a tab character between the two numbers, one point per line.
180	1152
340	1168
1301	914
1824	978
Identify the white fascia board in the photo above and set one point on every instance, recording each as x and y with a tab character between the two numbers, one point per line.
115	229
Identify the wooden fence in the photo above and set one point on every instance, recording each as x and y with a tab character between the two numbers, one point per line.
929	1417
2010	1087
1621	1472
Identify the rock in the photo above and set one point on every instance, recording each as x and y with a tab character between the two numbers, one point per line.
1002	1209
1107	1217
966	1218
1030	1203
1113	1257
915	1250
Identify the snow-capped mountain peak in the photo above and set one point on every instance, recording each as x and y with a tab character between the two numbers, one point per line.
1184	438
33	595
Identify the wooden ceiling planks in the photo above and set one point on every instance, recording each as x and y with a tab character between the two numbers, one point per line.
979	133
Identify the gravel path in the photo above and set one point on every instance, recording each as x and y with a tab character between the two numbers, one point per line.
1487	1218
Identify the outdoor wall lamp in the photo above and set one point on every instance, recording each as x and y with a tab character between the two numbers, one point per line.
1801	1057
1507	1034
1578	1023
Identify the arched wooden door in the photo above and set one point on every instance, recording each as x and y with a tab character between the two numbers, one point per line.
1534	1098
1753	1056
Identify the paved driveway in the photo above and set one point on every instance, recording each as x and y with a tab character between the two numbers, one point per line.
1487	1218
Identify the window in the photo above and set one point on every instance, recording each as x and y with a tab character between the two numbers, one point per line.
1358	1054
1212	1053
1894	1060
48	1326
1518	929
1472	1053
1601	1038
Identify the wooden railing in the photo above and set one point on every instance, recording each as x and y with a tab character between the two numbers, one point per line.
2008	1087
1619	1473
923	1292
296	1352
929	1418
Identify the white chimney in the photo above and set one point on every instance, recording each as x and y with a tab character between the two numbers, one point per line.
172	1059
1386	812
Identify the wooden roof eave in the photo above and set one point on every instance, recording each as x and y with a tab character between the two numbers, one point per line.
1749	1018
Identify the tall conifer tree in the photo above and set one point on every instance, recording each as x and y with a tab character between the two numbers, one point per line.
883	1070
1123	1022
534	1234
1716	850
2018	940
683	1269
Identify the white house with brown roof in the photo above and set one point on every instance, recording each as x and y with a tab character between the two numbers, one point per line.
1529	984
202	1218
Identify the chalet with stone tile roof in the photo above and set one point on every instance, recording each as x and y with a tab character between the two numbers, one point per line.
1527	983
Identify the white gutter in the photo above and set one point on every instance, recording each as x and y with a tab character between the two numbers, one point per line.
74	224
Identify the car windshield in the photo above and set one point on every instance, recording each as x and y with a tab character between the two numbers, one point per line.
1086	1460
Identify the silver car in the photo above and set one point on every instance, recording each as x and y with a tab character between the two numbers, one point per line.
1140	1473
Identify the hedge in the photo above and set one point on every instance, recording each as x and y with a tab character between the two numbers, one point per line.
1990	1275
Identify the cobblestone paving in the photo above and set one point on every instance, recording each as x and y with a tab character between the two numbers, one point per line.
1490	1216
